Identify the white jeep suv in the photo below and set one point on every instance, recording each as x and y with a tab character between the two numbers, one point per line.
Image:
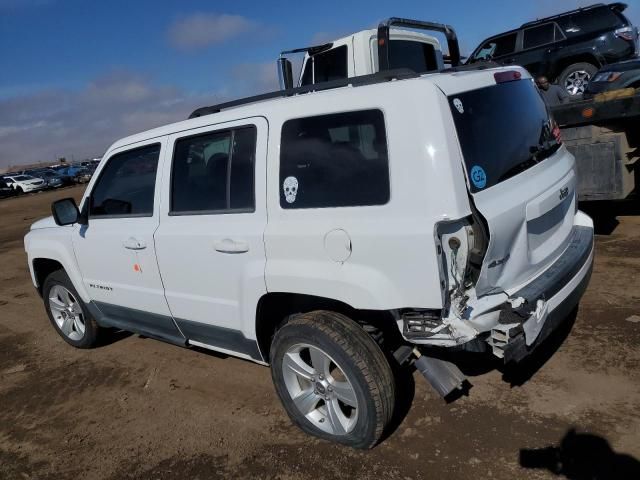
327	229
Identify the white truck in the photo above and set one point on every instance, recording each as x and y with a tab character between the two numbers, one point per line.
327	233
394	45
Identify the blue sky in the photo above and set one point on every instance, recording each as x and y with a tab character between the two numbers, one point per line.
77	74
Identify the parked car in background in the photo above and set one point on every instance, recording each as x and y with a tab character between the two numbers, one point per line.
614	77
25	183
568	48
51	178
5	189
76	173
84	175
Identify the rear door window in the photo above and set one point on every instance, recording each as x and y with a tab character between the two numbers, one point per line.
540	35
336	160
214	173
127	184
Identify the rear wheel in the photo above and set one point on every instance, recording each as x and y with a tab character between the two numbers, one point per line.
332	378
575	77
67	312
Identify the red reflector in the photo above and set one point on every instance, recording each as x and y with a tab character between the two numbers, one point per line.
508	76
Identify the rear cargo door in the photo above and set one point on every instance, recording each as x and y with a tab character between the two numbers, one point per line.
521	179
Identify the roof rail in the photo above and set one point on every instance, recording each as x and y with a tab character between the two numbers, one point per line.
380	77
616	6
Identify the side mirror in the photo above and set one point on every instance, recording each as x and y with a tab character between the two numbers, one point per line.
285	73
65	211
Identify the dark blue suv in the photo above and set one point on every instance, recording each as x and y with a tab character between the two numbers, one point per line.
568	48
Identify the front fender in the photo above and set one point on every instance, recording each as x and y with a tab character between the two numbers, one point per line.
55	244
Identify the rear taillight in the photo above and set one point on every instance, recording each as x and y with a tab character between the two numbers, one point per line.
508	76
555	131
627	33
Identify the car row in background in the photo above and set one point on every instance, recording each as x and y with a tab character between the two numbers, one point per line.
21	183
45	178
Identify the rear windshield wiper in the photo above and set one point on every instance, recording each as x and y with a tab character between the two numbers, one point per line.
538	154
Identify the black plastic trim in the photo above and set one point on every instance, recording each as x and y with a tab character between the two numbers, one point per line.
152	325
220	337
176	331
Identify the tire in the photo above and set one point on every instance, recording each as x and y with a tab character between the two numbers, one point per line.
356	371
82	331
575	77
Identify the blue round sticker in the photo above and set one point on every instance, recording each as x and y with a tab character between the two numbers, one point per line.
478	177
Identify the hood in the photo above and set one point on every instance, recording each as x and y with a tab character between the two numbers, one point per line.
622	66
47	222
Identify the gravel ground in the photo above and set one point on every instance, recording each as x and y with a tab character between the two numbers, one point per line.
139	408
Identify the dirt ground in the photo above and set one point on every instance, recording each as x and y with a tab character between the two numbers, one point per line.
139	408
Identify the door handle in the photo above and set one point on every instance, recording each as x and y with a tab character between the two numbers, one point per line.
132	243
231	246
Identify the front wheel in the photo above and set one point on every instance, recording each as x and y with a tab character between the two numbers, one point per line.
575	77
67	312
332	378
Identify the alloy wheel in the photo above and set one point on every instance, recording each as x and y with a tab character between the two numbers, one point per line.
66	312
320	389
576	82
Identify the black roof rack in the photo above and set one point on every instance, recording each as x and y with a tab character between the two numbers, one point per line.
617	6
312	49
380	77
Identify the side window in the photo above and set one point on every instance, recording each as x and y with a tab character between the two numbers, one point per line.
214	172
541	35
337	160
497	47
418	56
327	66
127	184
594	20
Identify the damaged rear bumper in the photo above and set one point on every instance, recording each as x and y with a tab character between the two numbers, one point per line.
548	300
513	324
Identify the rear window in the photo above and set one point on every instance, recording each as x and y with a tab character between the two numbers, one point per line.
503	130
327	66
590	21
337	160
418	56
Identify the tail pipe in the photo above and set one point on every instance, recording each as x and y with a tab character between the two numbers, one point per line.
443	376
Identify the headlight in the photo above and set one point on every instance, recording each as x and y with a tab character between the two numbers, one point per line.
607	76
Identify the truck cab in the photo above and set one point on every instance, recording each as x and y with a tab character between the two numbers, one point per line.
389	47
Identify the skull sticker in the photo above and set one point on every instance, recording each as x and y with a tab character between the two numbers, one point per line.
458	104
290	187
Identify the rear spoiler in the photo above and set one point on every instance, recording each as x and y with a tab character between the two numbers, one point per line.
383	39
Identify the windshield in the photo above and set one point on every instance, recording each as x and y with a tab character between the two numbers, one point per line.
503	130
